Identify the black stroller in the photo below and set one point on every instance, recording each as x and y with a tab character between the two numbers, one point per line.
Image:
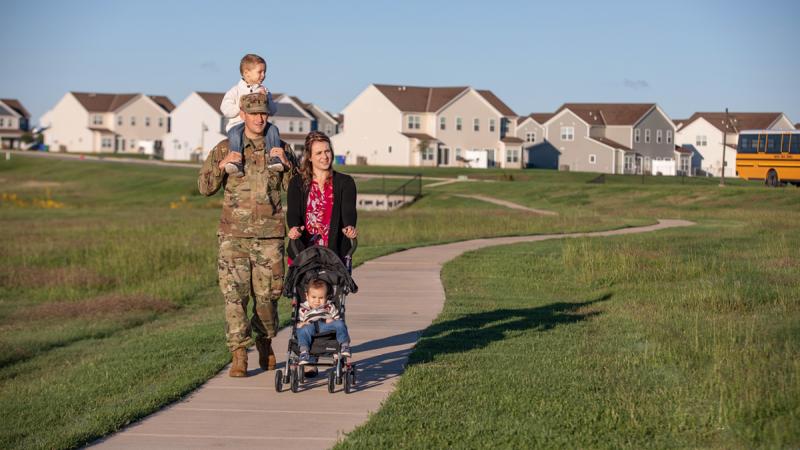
321	263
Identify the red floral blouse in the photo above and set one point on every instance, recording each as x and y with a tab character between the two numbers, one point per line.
318	212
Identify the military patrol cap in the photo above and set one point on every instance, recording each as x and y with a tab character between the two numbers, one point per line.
254	103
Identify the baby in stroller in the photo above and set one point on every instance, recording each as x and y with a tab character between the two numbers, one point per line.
318	315
318	283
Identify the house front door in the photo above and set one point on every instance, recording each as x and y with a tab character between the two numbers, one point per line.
443	156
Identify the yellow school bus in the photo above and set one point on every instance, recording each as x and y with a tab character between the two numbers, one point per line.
772	156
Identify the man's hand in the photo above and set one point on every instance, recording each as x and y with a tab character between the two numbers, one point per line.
261	90
328	320
278	151
231	157
295	232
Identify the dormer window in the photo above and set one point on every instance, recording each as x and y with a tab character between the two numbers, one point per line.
413	122
97	119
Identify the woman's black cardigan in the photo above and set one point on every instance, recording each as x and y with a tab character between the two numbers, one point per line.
342	215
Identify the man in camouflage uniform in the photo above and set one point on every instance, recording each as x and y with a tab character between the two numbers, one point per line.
251	232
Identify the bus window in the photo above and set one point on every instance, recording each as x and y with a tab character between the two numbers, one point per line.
747	143
774	143
785	143
762	142
794	147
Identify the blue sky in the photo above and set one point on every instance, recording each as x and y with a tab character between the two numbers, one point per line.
686	56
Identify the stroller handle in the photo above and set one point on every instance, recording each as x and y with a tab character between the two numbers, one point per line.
353	247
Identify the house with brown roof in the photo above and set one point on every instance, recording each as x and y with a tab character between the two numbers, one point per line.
428	126
607	138
532	131
705	132
95	122
14	122
197	125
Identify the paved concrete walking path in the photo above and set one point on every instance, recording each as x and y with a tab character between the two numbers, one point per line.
509	204
399	296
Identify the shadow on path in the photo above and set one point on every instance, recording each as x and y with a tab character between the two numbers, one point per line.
475	331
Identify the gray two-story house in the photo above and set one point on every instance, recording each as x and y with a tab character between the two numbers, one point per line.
14	122
608	138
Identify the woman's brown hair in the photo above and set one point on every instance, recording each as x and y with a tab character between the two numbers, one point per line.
306	169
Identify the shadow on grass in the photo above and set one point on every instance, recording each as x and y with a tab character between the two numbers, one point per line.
475	331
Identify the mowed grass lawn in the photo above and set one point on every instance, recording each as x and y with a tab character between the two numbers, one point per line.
108	301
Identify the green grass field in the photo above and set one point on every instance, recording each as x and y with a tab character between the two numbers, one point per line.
108	299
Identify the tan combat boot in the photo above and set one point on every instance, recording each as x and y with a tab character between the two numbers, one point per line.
239	364
266	357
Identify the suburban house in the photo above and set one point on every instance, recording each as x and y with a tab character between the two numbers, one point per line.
92	122
429	126
607	138
14	122
198	124
531	130
703	135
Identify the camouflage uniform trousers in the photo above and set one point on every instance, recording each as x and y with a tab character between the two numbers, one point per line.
250	266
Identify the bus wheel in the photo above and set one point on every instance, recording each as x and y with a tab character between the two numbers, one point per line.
772	178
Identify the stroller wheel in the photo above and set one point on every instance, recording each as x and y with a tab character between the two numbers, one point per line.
348	381
353	373
278	380
301	375
295	383
331	381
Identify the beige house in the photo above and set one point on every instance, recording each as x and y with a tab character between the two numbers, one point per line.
531	130
14	122
606	137
92	122
704	134
428	126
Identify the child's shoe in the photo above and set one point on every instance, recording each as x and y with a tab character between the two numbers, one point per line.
234	169
275	164
304	358
345	351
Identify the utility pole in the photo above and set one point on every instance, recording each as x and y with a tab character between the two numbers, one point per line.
724	144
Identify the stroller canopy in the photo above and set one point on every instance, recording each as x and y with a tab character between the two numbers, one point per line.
318	262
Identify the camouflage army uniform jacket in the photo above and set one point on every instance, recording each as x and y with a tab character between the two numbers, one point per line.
252	204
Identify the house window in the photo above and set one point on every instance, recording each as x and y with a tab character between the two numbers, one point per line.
647	136
106	142
300	126
291	126
427	154
147	121
637	135
119	121
458	123
567	133
133	143
2	122
669	136
328	130
133	124
476	124
97	119
160	122
530	137
413	122
512	156
390	149
592	159
442	123
701	141
458	154
659	136
491	125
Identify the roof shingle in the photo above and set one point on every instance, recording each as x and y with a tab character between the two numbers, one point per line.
737	120
16	106
609	113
